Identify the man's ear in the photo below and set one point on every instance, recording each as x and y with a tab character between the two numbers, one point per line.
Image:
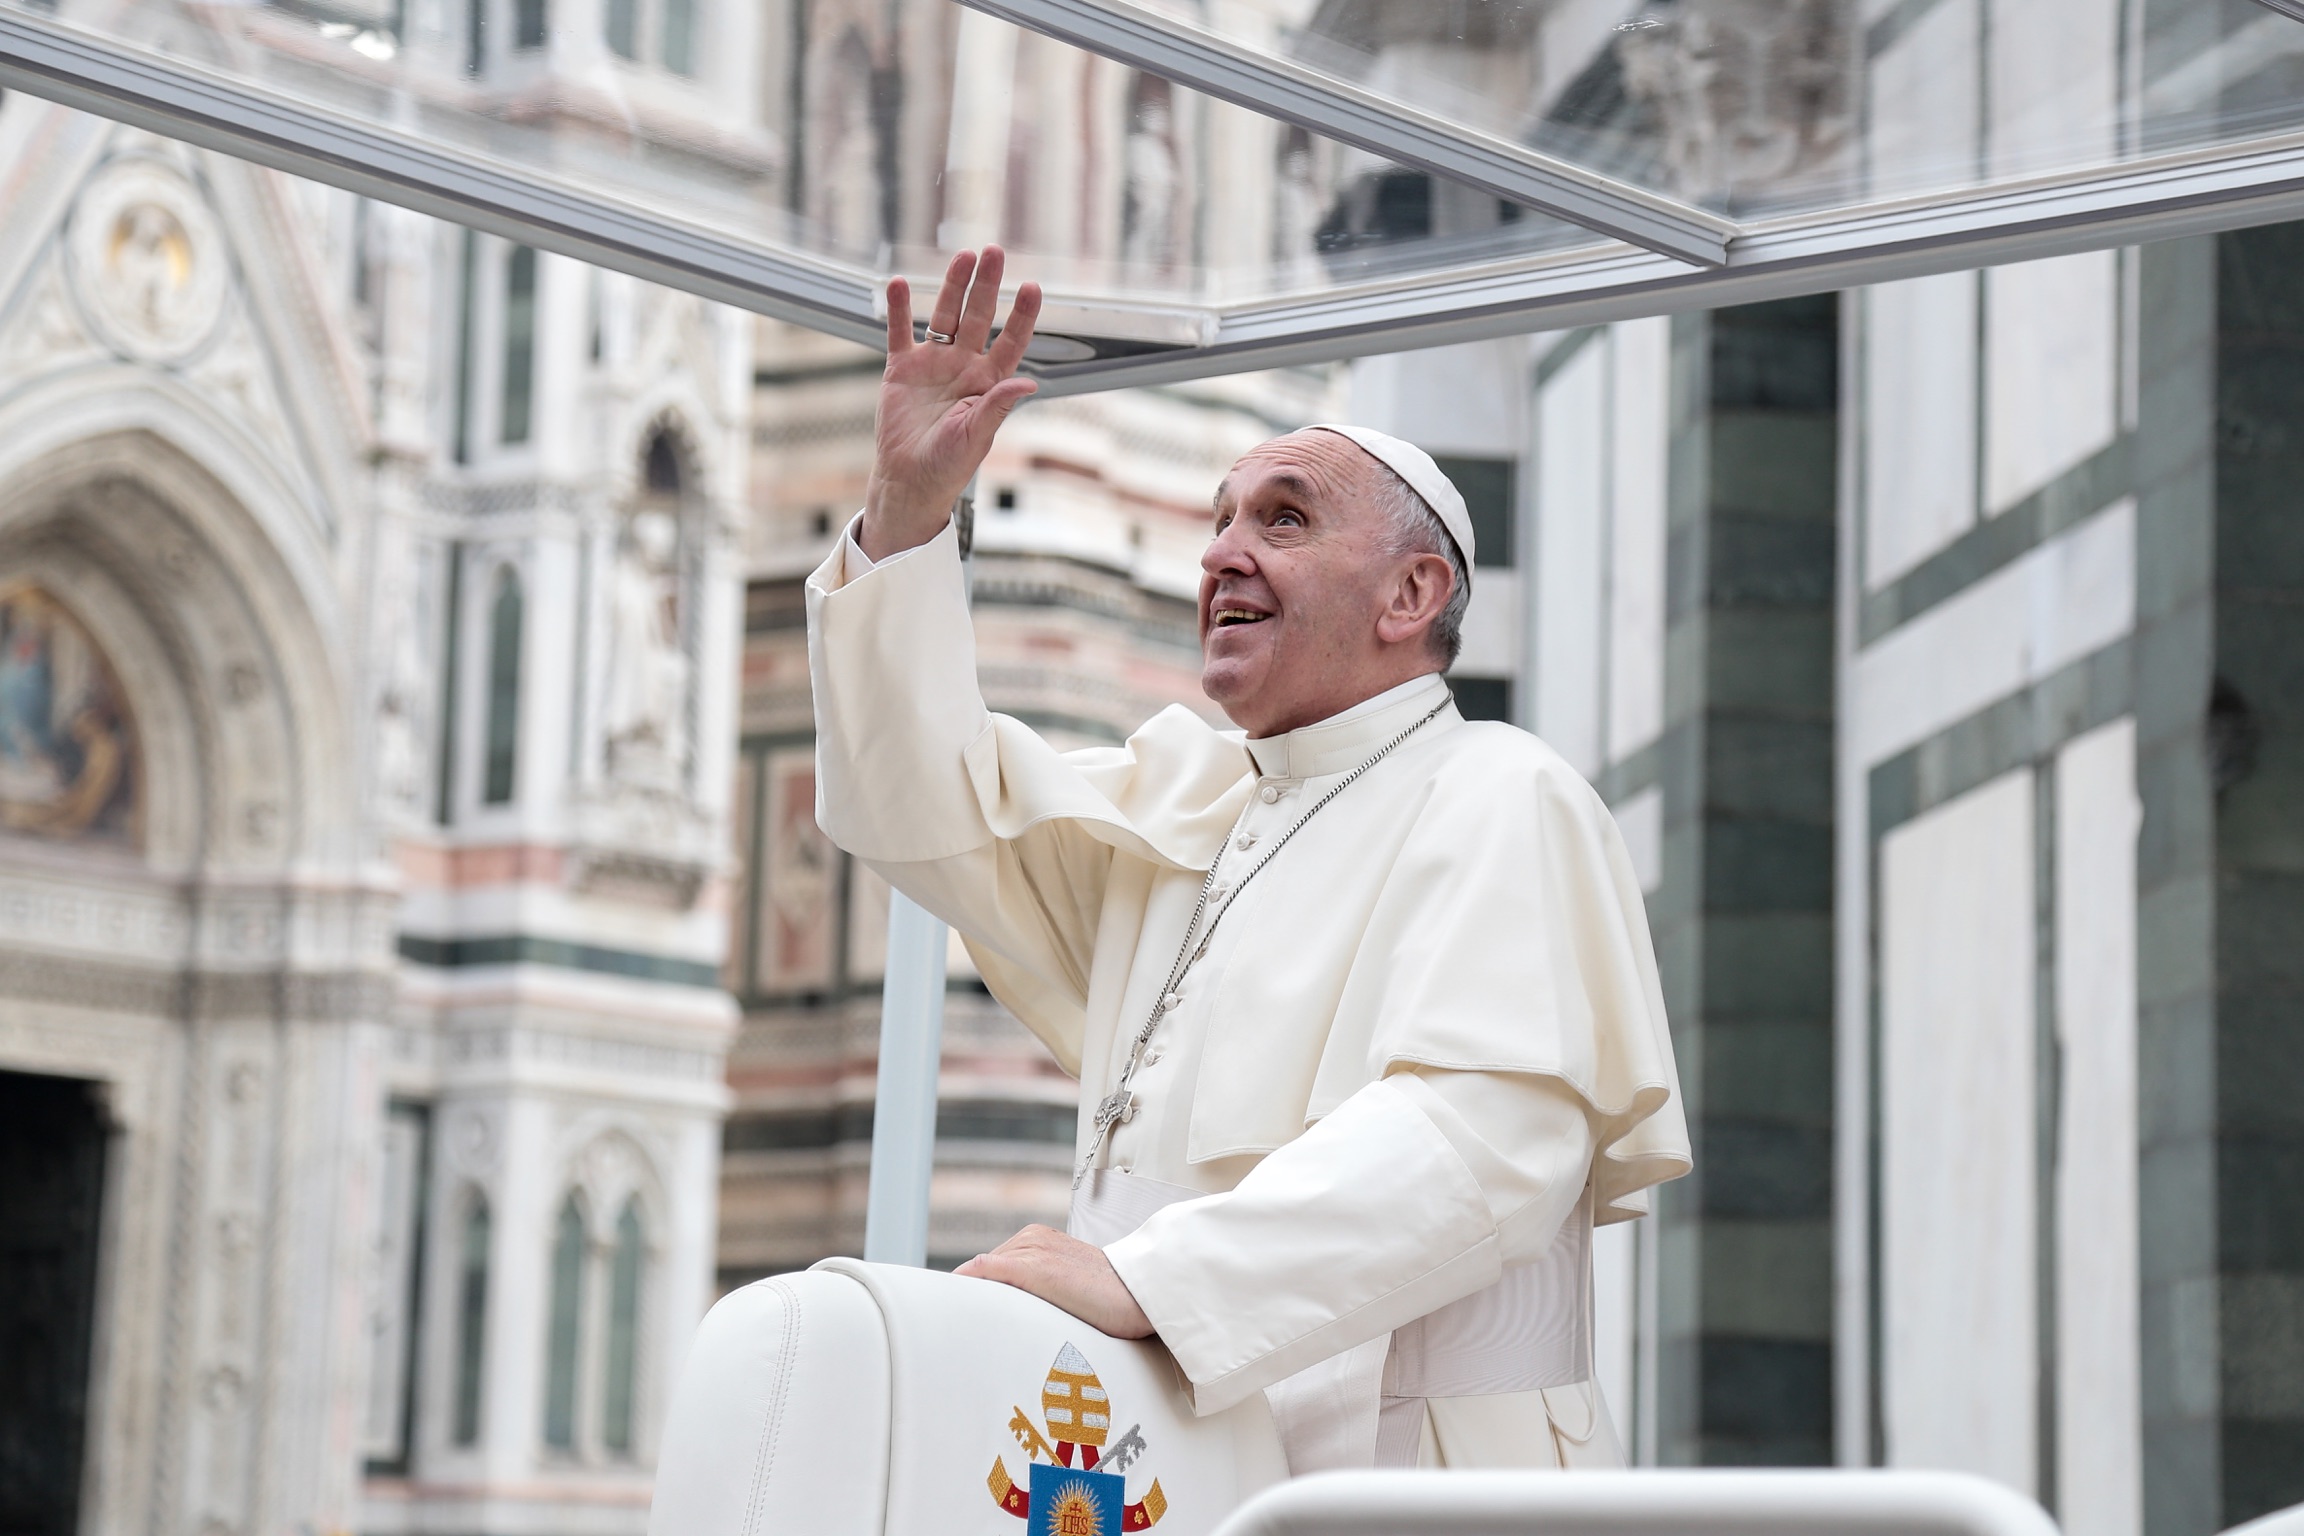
1418	595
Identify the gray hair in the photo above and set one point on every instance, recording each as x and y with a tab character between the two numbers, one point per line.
1415	529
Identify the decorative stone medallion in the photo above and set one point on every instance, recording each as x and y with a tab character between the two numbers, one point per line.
148	263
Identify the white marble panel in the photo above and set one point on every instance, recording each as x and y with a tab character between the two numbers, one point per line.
1640	427
1919	450
2051	369
1571	529
1492	634
1959	1315
1464	399
2069	596
2054	73
2099	1415
1926	102
1640	818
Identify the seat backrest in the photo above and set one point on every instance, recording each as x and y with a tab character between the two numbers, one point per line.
871	1400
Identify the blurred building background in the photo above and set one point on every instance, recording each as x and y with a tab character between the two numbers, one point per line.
423	987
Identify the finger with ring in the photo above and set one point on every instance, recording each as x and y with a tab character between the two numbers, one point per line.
939	337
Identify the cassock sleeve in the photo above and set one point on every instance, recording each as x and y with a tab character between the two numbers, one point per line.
970	813
1415	1192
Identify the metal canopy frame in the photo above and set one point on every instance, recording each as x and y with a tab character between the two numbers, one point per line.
1191	55
2151	199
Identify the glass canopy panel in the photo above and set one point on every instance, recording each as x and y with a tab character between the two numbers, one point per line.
1755	108
853	140
1221	184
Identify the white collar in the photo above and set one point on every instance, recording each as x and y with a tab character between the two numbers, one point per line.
1343	740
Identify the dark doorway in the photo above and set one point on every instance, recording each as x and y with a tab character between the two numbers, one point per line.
51	1191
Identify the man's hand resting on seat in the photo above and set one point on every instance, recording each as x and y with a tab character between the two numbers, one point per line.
1068	1273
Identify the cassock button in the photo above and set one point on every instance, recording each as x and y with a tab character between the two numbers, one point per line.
1245	841
1171	1002
1216	892
1152	1056
1128	1113
1271	794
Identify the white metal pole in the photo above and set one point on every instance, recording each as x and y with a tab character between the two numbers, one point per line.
911	1056
904	1098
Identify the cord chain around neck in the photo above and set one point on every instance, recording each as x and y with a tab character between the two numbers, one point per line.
1115	1104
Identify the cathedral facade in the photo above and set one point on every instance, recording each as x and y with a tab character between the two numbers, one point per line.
369	603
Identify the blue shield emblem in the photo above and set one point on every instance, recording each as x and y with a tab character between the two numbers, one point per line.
1069	1502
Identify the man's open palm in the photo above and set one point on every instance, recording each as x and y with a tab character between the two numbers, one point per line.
941	402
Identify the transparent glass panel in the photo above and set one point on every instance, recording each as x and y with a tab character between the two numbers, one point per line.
863	140
1751	107
843	142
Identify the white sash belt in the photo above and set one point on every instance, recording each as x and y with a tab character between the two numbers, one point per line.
1529	1330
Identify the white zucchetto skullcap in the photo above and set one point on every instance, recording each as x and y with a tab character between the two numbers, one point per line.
1415	466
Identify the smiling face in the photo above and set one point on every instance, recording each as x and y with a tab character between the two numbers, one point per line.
1307	606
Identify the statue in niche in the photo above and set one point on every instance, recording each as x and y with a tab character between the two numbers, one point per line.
1148	217
848	180
1296	223
67	745
645	711
404	701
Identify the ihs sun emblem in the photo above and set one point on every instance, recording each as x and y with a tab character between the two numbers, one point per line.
1089	1499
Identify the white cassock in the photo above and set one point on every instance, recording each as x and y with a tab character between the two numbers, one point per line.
1420	1059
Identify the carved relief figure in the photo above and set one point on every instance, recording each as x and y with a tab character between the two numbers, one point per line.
67	746
1750	92
646	707
796	918
1148	221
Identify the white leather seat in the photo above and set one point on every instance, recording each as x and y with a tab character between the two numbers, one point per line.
869	1400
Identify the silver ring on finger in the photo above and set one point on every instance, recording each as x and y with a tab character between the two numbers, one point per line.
939	337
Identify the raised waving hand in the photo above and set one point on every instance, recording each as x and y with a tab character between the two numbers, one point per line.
941	401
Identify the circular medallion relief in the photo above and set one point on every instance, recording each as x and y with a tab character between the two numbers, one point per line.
148	261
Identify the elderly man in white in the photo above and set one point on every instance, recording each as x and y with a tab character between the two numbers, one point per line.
1361	995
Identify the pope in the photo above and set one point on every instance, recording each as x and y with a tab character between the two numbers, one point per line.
1361	995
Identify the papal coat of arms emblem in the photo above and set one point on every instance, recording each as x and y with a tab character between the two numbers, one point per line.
1077	1484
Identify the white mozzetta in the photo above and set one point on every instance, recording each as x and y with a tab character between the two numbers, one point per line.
1640	818
1960	1345
2074	594
1464	923
2099	1412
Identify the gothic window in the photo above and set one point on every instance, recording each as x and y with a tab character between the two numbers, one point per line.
661	468
503	739
623	28
563	1339
528	23
471	1320
519	344
623	1329
680	36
